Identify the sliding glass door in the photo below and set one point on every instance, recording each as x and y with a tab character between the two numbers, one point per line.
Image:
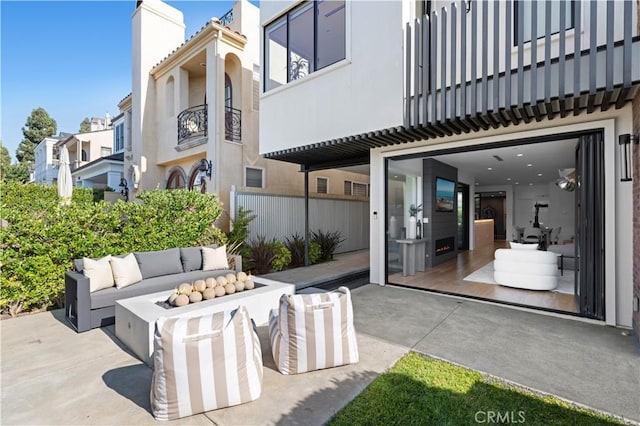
590	211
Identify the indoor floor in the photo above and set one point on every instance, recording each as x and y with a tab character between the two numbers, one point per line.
449	278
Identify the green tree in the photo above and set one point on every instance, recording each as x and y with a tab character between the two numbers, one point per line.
17	173
38	126
85	125
5	160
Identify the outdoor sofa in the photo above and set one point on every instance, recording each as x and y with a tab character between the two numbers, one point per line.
159	271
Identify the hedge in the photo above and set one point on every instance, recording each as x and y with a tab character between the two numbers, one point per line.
39	238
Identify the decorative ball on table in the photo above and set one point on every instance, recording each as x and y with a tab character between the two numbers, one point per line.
219	291
199	286
181	300
209	293
195	297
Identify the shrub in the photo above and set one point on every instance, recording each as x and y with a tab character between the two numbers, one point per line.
239	234
295	244
281	256
328	243
261	255
41	238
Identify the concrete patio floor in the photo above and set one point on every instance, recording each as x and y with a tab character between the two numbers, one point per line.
52	375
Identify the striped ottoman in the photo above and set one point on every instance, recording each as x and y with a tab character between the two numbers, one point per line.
313	331
204	363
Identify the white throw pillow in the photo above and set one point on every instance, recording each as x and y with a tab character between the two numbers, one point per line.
521	246
214	258
98	272
125	271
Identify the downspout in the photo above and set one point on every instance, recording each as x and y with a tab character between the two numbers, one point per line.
306	215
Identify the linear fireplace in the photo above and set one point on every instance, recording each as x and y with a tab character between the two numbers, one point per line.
445	245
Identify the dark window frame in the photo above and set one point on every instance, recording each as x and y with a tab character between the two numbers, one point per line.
570	23
312	67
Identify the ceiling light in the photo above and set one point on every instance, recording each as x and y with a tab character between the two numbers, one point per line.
539	174
529	165
517	183
530	184
477	183
519	155
508	178
489	168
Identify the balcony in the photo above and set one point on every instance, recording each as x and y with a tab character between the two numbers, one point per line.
192	124
227	18
232	124
473	66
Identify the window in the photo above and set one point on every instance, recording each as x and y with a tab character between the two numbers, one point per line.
105	151
322	185
347	187
360	189
253	177
196	181
355	188
228	89
525	23
176	180
119	137
297	44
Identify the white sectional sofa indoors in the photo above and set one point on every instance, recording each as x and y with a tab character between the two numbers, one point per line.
160	270
527	269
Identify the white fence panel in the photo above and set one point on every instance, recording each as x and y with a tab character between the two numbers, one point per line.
281	216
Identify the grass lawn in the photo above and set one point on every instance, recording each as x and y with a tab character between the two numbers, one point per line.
424	391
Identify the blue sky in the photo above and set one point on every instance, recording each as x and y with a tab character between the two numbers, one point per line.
72	58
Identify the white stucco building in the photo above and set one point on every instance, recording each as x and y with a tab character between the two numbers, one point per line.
452	104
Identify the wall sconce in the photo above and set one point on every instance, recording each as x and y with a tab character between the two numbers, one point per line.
125	188
624	143
205	167
468	9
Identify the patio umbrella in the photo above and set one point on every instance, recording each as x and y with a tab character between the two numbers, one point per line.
65	183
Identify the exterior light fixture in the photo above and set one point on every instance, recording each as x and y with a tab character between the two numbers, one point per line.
205	167
624	144
124	188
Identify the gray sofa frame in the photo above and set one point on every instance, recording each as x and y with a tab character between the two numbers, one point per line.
78	298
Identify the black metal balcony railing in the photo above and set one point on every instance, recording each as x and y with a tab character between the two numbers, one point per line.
227	18
192	123
232	124
455	83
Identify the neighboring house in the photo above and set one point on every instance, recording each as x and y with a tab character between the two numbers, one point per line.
460	103
85	152
46	159
195	109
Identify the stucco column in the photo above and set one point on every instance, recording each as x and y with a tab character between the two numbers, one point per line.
214	74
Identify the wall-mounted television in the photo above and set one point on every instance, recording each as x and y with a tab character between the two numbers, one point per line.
445	195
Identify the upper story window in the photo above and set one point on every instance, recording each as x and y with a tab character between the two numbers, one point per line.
105	151
526	7
119	137
306	39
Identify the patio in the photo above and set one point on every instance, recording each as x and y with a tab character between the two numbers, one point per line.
51	375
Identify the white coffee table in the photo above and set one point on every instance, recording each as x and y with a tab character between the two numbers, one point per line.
136	316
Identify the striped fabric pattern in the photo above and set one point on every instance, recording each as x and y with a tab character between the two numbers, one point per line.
313	331
204	363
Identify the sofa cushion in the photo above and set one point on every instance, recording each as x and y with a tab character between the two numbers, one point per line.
157	263
98	272
125	270
191	258
213	259
79	263
108	297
